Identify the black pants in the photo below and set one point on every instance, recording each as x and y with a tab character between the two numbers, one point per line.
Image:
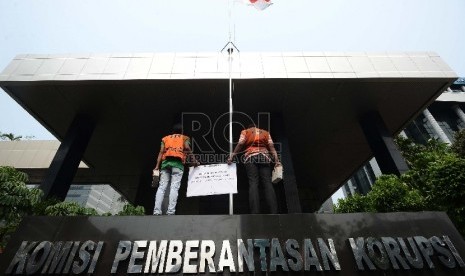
259	171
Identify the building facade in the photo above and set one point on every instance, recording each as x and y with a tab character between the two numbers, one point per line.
103	198
329	113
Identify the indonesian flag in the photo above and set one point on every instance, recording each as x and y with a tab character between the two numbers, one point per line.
260	4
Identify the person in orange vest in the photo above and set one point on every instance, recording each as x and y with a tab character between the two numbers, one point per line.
172	156
258	146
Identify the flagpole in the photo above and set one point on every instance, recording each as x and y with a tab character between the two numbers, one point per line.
231	203
230	59
230	49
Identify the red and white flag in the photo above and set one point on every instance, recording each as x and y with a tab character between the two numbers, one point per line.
258	4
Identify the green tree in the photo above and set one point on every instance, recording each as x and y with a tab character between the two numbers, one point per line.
13	137
459	143
10	136
388	194
67	208
435	182
353	204
392	194
16	201
131	210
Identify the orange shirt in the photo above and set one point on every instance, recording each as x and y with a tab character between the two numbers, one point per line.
256	141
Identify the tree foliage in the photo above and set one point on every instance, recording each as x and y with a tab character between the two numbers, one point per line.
67	208
10	137
389	194
17	201
354	204
131	210
435	182
392	194
459	143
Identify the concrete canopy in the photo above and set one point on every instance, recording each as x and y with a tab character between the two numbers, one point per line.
135	98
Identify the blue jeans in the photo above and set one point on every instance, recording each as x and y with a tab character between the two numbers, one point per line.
173	175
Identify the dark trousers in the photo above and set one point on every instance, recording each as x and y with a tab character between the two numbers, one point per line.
259	171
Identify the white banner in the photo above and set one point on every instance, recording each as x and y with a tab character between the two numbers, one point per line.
214	179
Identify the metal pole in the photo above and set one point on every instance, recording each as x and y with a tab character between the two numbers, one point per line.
231	207
230	51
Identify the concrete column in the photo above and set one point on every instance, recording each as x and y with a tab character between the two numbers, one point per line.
382	144
403	134
66	161
351	187
436	127
459	112
374	165
369	173
291	191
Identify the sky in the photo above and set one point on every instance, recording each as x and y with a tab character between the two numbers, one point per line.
116	26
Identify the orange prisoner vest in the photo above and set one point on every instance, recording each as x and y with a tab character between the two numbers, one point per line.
256	140
174	146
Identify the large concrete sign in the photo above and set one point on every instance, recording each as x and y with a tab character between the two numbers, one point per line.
351	244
